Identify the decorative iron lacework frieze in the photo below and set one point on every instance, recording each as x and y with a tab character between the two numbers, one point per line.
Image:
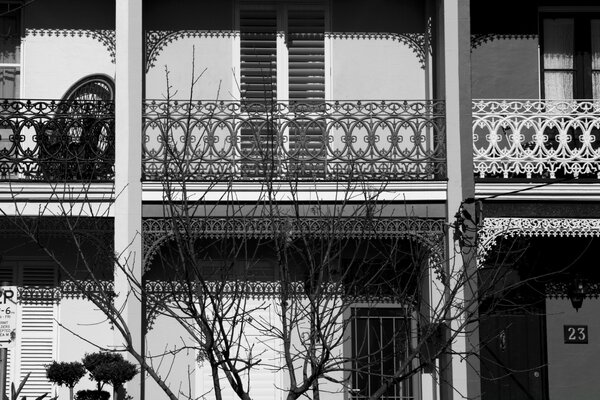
161	294
427	231
78	289
58	226
66	290
419	43
480	39
156	41
536	139
57	140
225	140
105	36
560	290
494	228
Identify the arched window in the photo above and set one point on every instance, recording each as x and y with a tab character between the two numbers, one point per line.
91	88
78	143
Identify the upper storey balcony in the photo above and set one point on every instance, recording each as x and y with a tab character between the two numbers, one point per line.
536	139
341	140
57	141
56	95
297	90
536	91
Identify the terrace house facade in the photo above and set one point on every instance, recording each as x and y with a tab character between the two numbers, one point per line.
305	120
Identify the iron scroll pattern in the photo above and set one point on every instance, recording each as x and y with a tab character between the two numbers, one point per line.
99	229
428	231
478	40
496	228
419	43
158	231
536	139
57	140
105	36
225	140
67	289
157	40
163	294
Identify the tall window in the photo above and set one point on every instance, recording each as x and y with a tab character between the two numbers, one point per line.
571	56
380	344
282	51
10	44
282	57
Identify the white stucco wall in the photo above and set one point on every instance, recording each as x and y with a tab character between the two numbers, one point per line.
89	323
52	62
212	57
573	368
265	379
166	350
377	69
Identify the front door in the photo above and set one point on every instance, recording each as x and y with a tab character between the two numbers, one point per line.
513	356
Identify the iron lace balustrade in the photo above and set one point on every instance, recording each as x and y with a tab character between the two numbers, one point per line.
545	139
47	140
228	140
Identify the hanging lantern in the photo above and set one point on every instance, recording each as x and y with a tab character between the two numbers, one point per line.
576	293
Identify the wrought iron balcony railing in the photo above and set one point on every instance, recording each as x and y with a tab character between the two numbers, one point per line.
545	139
47	140
200	141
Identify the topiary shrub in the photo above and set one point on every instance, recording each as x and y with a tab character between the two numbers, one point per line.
65	374
109	368
116	373
92	395
92	361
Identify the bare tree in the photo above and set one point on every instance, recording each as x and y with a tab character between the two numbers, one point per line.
328	261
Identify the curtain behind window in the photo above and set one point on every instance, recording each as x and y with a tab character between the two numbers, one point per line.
595	28
558	58
10	41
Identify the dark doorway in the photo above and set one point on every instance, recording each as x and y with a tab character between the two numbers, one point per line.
512	325
513	365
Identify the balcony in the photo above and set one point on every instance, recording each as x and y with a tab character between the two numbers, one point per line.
57	141
536	139
316	141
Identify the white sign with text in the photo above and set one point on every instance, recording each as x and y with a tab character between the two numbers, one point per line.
8	315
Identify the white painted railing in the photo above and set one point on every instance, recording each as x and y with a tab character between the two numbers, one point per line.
536	139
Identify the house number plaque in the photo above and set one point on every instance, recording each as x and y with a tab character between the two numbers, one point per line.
576	334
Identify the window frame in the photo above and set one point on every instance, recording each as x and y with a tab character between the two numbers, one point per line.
404	312
16	66
282	53
582	48
280	145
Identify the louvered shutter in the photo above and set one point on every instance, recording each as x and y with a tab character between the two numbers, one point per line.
306	66
306	54
37	334
258	75
258	46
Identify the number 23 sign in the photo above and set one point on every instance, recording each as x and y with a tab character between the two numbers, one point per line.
576	334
